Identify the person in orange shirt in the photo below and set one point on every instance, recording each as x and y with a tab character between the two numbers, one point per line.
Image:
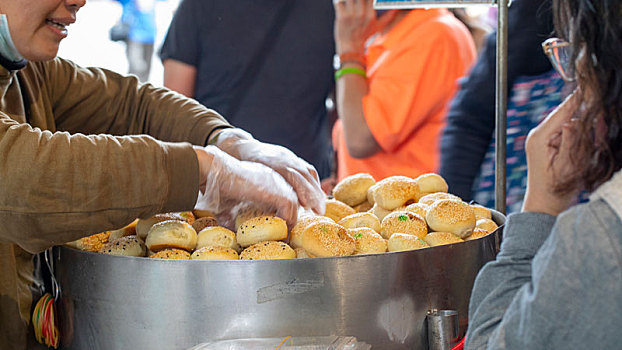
398	72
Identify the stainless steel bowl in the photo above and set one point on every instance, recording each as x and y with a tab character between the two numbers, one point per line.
110	302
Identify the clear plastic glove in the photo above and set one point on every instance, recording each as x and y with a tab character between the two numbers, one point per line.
225	182
298	173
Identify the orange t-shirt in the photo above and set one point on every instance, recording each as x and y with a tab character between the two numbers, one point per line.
412	75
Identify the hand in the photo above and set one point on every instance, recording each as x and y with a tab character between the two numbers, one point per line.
299	174
225	182
354	23
328	184
548	159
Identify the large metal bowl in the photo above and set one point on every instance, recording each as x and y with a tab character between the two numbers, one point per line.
110	302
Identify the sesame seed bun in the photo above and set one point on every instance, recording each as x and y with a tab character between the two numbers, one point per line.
214	253
128	230
217	236
403	222
367	241
402	241
260	229
393	193
449	215
337	210
353	189
271	250
431	183
171	254
429	199
361	220
92	243
295	237
481	212
144	225
204	222
379	212
477	233
125	246
486	225
171	234
441	238
323	239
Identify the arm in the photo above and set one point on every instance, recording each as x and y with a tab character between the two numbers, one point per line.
110	103
471	119
354	22
563	293
180	77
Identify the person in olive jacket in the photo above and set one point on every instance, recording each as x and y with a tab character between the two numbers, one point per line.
67	170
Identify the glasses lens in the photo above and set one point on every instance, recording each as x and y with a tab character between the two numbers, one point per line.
560	54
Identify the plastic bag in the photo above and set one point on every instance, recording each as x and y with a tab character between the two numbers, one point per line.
287	343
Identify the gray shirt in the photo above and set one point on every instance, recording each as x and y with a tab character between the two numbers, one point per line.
557	282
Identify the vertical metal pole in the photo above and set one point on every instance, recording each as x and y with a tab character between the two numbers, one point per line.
501	106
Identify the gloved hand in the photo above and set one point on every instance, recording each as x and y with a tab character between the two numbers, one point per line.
225	182
298	173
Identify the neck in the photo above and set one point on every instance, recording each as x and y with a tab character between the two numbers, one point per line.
9	56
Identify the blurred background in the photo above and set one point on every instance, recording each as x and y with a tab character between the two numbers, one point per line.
89	44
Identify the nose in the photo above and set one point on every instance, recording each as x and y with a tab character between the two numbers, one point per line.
75	4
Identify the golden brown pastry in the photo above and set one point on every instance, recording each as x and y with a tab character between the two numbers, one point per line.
302	254
401	242
363	207
171	234
144	225
403	222
323	239
450	215
125	246
171	254
481	212
418	208
268	250
214	253
260	229
337	210
380	212
248	212
477	233
353	189
395	192
486	224
367	241
361	220
441	238
217	236
204	222
431	183
128	230
295	237
429	199
92	243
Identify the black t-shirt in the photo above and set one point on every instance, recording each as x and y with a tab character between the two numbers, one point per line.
285	103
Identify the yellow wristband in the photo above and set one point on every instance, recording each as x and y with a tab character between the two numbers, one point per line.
350	70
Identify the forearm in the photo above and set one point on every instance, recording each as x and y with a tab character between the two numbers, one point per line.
58	187
351	88
499	281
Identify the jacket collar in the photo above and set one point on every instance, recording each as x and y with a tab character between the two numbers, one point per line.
611	192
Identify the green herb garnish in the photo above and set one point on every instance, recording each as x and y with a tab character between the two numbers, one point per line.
403	218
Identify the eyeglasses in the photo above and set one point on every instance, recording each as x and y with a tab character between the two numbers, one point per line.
559	53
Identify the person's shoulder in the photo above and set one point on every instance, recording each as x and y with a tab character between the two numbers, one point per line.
594	222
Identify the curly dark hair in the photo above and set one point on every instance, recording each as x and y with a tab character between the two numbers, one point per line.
594	30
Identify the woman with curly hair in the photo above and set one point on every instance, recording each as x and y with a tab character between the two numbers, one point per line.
557	281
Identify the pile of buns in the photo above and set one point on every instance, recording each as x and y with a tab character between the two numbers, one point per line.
363	217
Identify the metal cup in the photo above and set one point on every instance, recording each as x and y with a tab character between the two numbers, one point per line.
442	329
